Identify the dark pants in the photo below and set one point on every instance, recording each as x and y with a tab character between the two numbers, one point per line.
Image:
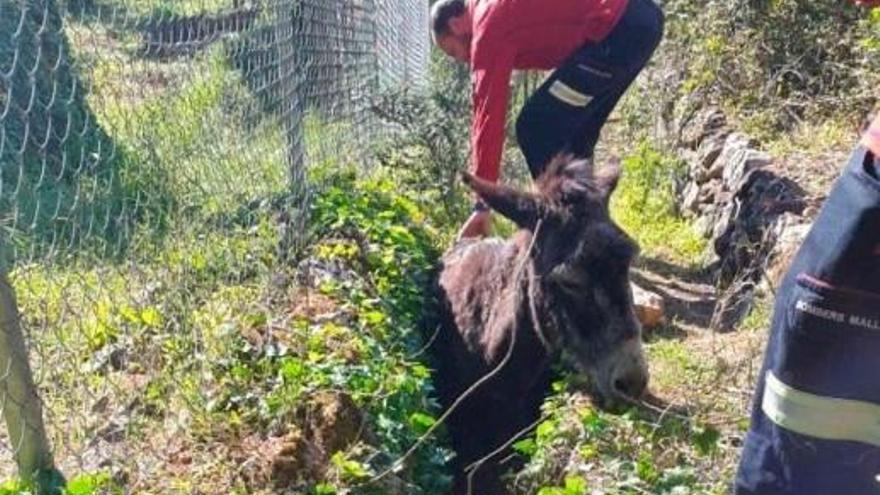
570	108
825	343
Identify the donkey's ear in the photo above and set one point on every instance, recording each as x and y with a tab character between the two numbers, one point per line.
520	207
607	177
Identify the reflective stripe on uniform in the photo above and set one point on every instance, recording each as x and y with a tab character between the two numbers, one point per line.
827	418
565	93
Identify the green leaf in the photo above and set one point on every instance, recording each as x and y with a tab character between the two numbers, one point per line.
325	489
593	422
575	485
588	452
421	422
14	487
645	468
87	484
373	318
545	430
677	477
527	447
420	371
558	386
706	439
292	370
151	317
350	469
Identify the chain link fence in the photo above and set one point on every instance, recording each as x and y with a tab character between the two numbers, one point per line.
150	149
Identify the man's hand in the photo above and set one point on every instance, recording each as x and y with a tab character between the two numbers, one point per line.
478	224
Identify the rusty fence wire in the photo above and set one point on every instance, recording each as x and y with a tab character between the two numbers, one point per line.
140	142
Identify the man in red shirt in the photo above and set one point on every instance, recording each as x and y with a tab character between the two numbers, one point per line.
597	48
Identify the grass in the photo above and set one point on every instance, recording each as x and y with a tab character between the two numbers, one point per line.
197	359
690	446
620	454
81	485
188	355
193	350
645	206
184	139
154	8
196	134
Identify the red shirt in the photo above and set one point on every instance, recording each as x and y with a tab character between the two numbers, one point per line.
523	34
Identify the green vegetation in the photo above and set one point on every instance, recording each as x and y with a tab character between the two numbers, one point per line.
49	154
180	338
155	9
579	446
210	354
775	66
645	206
427	154
173	336
89	484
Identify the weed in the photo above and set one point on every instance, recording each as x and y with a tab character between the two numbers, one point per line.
645	206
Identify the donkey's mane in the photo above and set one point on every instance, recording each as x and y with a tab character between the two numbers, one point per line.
566	175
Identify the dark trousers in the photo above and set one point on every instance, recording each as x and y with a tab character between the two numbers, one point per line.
570	108
824	342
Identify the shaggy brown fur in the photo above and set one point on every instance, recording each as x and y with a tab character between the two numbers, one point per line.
558	286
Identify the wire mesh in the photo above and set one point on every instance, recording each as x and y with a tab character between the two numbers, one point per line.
149	148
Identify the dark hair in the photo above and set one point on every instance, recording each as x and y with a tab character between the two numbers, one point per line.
442	11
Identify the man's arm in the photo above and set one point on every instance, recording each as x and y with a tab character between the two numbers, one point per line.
491	72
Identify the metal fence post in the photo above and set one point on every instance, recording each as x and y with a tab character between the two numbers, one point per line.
19	401
288	17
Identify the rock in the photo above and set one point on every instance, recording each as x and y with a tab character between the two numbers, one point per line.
753	217
704	225
736	160
691	198
722	225
705	165
709	151
111	357
114	431
101	405
700	176
790	231
750	160
650	307
745	246
710	193
735	145
733	307
705	123
710	210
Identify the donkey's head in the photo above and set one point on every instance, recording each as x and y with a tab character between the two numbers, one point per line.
581	259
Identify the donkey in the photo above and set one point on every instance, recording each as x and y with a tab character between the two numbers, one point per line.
559	286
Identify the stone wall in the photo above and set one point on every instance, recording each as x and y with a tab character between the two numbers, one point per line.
754	217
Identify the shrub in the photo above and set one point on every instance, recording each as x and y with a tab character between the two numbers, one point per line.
774	64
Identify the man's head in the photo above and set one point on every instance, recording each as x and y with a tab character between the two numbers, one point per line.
451	28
